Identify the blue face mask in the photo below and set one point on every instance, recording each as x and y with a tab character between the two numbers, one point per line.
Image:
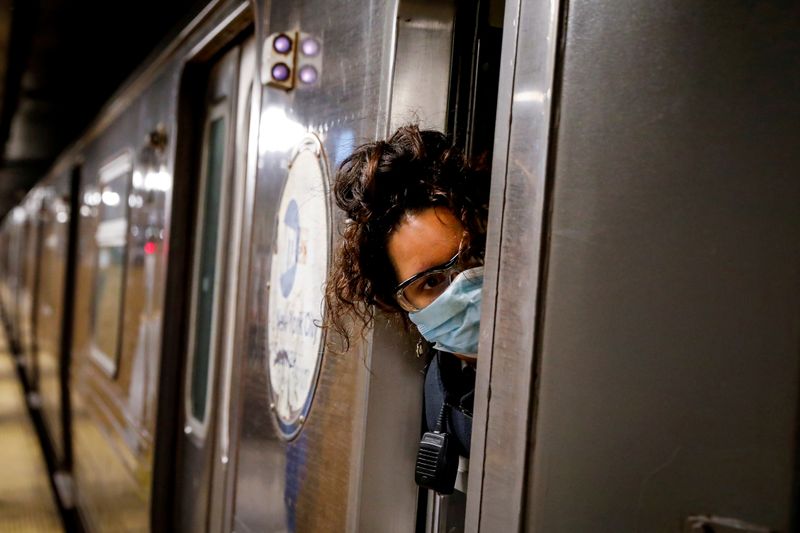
451	321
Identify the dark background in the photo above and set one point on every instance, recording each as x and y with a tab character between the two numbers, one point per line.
60	62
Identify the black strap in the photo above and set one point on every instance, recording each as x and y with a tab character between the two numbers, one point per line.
445	399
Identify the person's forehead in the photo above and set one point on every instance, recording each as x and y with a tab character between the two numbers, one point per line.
424	240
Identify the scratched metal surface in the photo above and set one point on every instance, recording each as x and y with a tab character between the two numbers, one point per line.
669	356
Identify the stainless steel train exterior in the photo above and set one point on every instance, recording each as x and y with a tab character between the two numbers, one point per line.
638	365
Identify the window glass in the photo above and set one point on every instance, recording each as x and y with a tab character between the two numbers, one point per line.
109	282
113	199
206	269
108	291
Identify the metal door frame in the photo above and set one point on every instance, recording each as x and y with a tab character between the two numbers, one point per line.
515	266
205	441
248	95
418	91
233	22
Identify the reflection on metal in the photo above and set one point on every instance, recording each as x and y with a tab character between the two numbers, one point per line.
391	432
278	132
437	513
18	214
34	399
445	512
65	487
117	166
536	97
422	65
462	474
718	524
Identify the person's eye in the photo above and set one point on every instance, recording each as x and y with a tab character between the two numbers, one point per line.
433	282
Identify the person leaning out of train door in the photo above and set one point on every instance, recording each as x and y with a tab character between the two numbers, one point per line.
413	246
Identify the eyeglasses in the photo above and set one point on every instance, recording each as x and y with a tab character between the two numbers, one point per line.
418	291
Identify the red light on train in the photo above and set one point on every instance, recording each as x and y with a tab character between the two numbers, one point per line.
150	248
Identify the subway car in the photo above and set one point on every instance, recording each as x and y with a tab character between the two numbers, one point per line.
640	333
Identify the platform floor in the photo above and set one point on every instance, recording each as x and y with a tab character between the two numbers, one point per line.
26	499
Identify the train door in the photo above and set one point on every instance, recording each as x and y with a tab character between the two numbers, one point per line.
25	281
4	254
50	312
18	270
14	223
31	273
211	289
642	334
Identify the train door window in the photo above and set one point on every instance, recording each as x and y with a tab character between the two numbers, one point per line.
111	240
205	217
205	284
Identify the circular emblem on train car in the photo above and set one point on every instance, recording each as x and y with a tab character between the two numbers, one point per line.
299	268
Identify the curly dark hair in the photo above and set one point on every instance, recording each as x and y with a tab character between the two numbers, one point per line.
377	186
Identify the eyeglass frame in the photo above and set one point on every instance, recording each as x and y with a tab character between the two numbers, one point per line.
398	290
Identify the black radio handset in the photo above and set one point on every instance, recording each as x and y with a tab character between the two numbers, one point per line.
437	458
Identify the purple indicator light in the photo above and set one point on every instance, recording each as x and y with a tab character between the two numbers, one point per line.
282	44
310	47
308	74
280	72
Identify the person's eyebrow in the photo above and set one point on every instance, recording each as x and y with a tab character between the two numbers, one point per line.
432	266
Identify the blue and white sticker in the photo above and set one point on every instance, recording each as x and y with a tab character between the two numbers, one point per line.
297	280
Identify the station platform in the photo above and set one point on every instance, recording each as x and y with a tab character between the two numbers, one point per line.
26	499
